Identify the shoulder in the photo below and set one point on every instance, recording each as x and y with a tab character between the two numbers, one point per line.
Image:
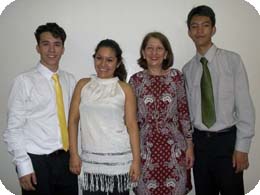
82	82
28	73
125	87
188	65
175	74
25	81
137	78
232	59
136	75
79	86
67	75
174	71
228	53
27	76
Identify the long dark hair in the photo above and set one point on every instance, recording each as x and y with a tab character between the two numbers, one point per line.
120	71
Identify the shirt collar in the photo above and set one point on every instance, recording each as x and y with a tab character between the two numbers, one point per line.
44	71
209	54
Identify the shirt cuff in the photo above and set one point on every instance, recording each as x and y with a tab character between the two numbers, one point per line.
243	145
24	168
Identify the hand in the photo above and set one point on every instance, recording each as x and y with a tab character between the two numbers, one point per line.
189	156
135	171
75	164
240	161
27	182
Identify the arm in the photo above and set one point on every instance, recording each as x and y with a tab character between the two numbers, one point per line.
14	136
131	123
184	121
74	116
245	115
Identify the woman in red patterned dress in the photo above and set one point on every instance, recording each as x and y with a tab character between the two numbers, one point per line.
163	119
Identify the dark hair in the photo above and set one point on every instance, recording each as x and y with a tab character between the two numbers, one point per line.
202	10
53	28
168	62
120	71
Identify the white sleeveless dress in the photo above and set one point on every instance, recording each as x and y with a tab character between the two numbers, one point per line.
106	153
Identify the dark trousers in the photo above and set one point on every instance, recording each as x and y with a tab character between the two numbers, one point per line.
53	175
213	171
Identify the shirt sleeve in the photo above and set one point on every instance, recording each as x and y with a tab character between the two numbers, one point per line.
183	109
13	134
72	86
244	109
188	92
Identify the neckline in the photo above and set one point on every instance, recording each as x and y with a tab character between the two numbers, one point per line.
105	81
161	75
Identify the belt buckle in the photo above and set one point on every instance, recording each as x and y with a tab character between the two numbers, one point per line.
208	134
56	152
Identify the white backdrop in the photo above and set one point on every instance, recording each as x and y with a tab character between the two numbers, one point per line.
87	22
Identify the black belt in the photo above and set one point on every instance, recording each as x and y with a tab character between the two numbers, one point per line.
215	133
56	153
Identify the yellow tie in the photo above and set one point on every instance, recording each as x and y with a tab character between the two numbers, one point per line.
61	113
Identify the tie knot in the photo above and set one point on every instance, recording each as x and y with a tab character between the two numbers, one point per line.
55	77
204	61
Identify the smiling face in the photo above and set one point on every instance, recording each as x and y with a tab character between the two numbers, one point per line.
105	62
50	50
201	31
154	53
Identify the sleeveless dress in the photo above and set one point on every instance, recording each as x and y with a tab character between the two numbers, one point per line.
106	153
164	124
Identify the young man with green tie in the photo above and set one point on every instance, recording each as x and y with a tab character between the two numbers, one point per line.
221	109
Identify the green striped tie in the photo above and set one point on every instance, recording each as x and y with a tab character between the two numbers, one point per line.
207	98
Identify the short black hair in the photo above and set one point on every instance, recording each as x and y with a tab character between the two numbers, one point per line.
202	10
53	28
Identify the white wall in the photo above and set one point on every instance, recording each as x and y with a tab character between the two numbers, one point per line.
87	22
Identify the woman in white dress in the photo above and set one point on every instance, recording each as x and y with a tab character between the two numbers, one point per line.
105	107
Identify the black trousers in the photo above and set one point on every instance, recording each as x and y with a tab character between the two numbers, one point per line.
213	171
53	175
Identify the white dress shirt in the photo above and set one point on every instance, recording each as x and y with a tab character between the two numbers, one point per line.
33	125
233	104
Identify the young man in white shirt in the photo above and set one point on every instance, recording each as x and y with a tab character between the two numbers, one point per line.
33	132
222	141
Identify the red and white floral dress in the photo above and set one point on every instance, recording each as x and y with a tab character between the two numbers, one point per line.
164	124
